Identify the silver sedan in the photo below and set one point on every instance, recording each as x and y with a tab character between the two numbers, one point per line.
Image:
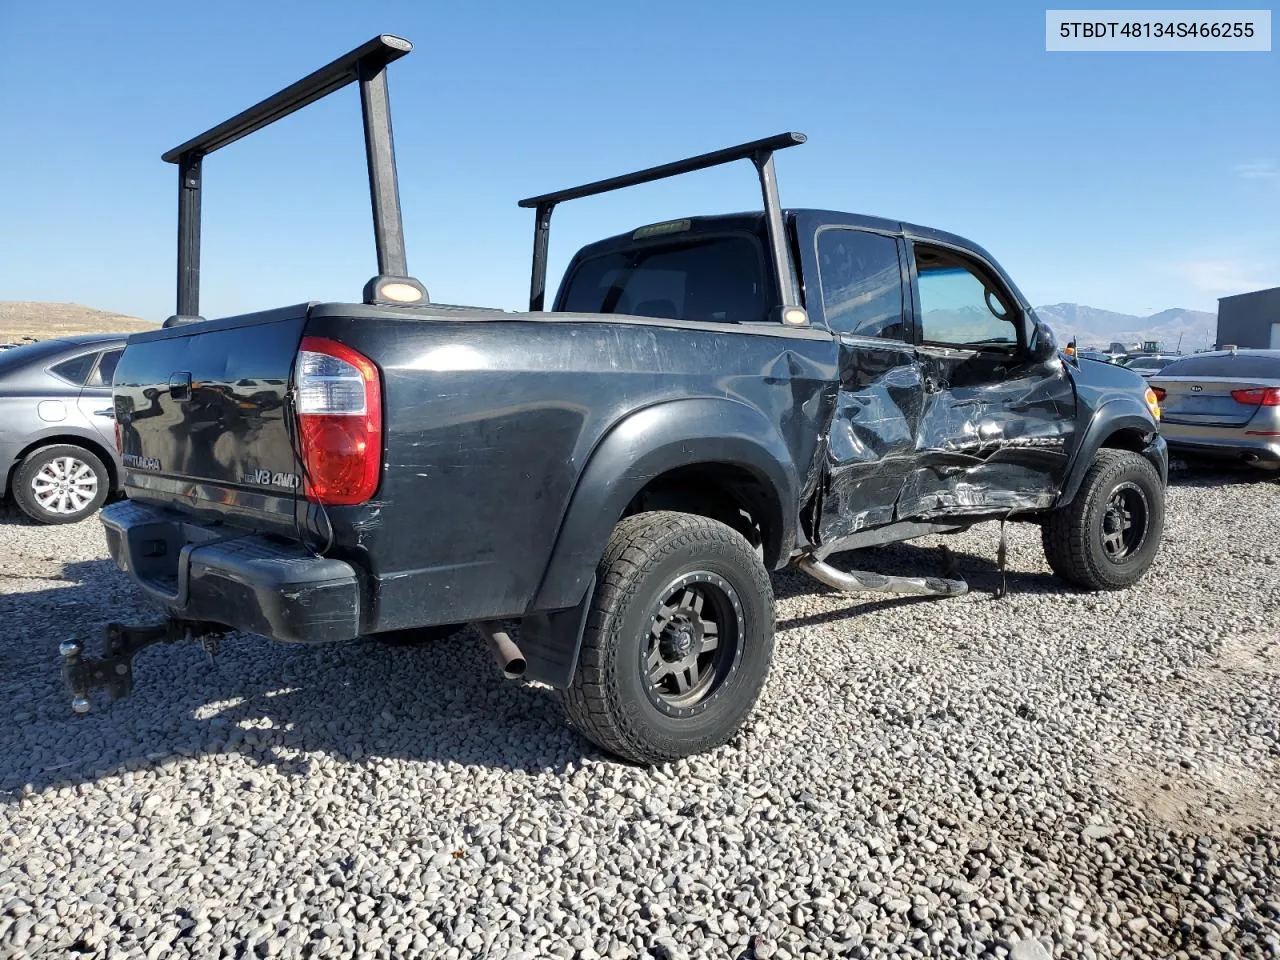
58	458
1223	404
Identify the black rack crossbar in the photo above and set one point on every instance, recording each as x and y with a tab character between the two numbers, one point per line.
365	64
759	152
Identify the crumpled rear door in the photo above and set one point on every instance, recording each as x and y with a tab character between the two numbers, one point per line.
990	438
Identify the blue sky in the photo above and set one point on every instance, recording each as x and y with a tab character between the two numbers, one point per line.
1133	182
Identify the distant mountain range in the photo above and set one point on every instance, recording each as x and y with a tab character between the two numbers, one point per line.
25	318
1092	327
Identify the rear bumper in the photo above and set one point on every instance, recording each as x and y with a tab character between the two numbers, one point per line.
220	574
1228	442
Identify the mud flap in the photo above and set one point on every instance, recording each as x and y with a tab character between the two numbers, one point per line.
550	641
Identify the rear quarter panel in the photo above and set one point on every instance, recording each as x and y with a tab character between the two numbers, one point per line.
489	424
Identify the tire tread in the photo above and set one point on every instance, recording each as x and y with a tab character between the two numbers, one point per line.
1066	532
637	543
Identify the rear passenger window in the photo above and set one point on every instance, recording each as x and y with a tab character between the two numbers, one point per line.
76	370
711	280
106	369
861	283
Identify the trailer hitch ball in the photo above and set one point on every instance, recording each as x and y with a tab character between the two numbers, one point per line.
80	705
70	648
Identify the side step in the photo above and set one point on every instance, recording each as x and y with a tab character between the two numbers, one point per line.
858	581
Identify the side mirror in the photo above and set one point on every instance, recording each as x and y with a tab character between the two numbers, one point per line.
1044	345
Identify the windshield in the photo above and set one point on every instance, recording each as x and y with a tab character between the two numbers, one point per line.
715	280
1150	363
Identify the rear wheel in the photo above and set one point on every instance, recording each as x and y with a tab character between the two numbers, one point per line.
61	483
678	640
1108	536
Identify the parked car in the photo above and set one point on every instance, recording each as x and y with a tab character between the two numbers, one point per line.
1094	355
1147	365
58	458
620	473
1224	403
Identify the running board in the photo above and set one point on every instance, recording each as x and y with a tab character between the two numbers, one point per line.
858	581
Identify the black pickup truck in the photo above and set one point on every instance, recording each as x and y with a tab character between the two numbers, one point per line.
602	487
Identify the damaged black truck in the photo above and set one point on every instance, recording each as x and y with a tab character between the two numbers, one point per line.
603	486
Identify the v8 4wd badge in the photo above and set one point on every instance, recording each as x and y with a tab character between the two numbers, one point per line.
265	478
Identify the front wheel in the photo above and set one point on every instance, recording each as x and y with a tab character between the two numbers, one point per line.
678	640
1108	536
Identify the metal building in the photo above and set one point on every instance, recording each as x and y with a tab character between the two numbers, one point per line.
1250	319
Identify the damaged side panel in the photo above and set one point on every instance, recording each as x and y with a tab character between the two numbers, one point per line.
909	442
990	447
871	443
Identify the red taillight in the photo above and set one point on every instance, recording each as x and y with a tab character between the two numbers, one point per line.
1159	392
1258	397
339	403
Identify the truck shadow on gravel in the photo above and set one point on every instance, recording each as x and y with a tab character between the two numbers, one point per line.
287	707
290	707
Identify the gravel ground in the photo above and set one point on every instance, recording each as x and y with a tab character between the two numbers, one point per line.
1052	774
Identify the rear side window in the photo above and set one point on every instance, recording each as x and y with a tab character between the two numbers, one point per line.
1241	365
861	283
106	369
718	280
76	370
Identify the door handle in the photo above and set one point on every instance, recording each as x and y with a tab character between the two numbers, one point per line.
109	412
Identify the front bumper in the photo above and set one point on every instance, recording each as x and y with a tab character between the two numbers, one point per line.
211	572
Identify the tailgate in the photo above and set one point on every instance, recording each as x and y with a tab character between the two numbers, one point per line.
203	416
1206	401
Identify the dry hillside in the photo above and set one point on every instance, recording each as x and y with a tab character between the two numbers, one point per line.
19	318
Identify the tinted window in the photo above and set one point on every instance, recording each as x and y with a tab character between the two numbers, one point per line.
718	280
861	283
1226	365
957	306
76	370
106	368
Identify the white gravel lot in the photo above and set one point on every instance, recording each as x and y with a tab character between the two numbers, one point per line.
1052	774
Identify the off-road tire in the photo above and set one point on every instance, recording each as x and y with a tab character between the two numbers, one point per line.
52	456
1073	535
609	700
419	636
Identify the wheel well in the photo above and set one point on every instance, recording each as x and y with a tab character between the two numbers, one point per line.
1127	438
93	446
732	494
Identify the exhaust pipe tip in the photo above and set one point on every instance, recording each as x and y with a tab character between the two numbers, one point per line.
506	653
